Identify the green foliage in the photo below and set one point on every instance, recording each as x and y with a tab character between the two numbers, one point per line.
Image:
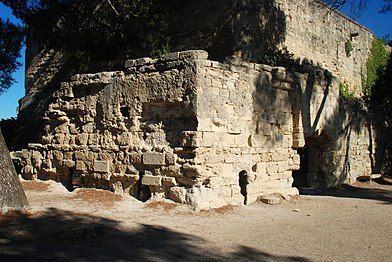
345	92
376	69
348	47
278	57
91	31
10	45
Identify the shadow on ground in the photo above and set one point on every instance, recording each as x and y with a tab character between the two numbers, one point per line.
379	189
57	235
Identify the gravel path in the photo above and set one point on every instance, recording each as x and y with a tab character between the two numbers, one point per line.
352	223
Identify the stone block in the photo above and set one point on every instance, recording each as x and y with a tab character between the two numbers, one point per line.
190	139
208	139
68	163
153	158
261	168
135	157
81	139
101	166
177	194
279	156
150	180
296	160
169	181
283	166
195	54
298	142
272	168
170	158
270	200
173	171
80	166
227	170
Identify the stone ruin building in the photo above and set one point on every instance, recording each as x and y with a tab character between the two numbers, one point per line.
184	126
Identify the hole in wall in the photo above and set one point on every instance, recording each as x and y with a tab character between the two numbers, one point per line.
254	168
243	183
300	176
125	111
142	192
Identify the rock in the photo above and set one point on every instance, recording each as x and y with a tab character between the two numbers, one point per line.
177	194
202	198
270	200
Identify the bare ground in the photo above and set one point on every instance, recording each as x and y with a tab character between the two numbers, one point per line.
351	223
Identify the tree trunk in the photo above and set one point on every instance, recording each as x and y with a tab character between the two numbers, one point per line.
12	196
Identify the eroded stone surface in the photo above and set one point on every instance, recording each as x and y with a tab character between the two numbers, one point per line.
183	127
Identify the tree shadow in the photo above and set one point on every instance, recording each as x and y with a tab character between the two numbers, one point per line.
58	235
383	195
223	27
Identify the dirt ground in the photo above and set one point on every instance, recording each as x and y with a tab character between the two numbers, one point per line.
351	223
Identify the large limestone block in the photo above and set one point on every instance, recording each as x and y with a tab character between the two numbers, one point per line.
153	158
150	180
202	198
101	166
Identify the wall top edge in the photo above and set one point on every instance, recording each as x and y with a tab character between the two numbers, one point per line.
344	16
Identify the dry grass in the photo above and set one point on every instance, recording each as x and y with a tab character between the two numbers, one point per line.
220	210
35	185
166	206
92	195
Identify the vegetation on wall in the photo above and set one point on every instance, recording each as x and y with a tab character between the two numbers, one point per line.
376	88
344	91
348	47
278	57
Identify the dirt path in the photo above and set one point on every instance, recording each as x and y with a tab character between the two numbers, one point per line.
348	224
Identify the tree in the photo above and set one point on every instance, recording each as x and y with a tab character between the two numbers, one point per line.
357	6
12	196
11	42
82	29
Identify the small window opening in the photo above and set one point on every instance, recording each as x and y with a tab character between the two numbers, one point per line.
243	182
124	111
143	192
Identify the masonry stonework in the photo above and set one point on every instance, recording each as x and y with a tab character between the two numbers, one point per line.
317	33
246	28
183	127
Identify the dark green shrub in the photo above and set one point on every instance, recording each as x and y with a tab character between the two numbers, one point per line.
376	70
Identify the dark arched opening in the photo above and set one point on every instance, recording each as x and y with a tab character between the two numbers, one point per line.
243	183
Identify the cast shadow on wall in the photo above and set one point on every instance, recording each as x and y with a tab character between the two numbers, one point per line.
336	133
244	28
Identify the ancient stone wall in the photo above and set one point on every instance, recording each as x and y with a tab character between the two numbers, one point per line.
184	127
319	34
309	29
358	148
245	28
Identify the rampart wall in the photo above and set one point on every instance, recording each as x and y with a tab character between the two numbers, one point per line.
245	29
183	127
316	33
